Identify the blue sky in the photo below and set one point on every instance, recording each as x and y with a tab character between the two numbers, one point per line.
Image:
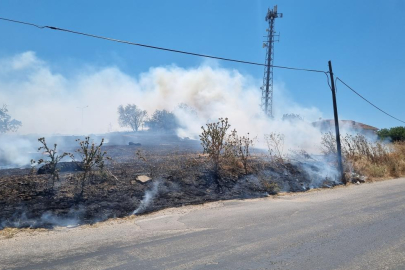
364	39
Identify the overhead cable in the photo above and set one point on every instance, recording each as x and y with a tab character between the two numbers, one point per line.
157	48
337	78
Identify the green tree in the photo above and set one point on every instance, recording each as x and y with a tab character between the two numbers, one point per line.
394	134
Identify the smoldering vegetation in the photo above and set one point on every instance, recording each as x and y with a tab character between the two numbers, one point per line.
177	173
148	171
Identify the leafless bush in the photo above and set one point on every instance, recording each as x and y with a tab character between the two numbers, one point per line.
91	156
147	161
328	142
275	145
53	160
245	143
238	149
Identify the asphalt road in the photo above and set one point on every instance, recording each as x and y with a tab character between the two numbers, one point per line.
355	227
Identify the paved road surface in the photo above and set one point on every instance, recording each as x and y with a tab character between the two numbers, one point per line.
356	227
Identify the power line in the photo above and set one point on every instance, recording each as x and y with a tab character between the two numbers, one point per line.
337	78
327	79
157	48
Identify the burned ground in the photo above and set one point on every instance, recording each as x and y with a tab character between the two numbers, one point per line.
179	175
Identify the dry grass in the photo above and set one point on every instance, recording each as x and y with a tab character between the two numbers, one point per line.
8	233
375	160
384	161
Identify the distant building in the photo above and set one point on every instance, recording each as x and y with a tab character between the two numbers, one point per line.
348	125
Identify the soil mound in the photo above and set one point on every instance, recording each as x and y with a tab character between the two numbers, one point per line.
62	167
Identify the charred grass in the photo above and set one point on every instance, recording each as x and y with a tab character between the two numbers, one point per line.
182	176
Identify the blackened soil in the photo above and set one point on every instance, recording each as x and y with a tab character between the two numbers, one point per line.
177	178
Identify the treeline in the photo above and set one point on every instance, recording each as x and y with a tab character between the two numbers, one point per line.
135	118
395	134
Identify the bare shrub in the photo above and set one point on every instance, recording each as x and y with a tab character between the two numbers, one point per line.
230	160
275	145
92	156
245	143
237	149
328	142
53	160
140	155
147	161
213	140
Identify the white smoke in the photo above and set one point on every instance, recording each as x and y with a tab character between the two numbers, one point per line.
14	151
47	102
147	198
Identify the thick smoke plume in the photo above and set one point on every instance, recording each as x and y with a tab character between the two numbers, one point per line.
47	101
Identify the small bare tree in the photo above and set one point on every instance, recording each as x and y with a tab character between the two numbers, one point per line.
131	116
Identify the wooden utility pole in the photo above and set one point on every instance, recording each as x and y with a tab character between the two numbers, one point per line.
335	113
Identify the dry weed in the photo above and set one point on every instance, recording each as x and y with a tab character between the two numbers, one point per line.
374	159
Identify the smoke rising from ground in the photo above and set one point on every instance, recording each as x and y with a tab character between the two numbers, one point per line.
147	198
47	219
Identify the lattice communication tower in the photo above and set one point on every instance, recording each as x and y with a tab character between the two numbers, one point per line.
267	88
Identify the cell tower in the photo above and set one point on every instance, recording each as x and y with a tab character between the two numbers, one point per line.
267	88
